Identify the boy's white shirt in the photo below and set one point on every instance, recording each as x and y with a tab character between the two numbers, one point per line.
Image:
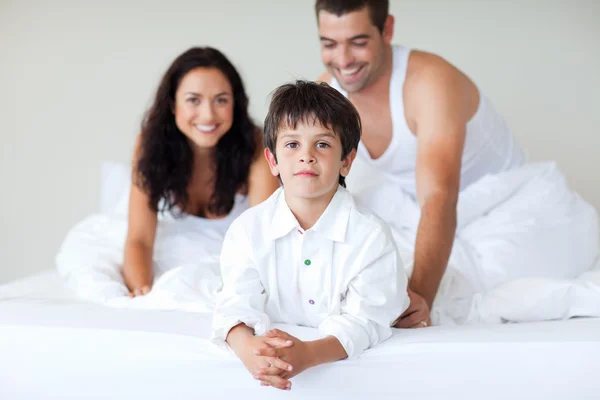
353	288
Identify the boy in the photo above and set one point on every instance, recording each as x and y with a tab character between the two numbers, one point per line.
308	255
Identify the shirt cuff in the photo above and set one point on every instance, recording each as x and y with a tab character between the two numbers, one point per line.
353	341
222	328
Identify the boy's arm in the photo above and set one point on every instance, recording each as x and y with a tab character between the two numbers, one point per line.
242	298
243	342
237	336
326	350
299	354
375	298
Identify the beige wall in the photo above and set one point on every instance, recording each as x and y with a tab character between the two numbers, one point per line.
76	76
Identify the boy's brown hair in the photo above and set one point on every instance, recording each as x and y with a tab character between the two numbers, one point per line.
311	102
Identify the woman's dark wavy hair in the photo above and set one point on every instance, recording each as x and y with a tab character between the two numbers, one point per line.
165	160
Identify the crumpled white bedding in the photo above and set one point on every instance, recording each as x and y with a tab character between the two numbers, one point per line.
525	250
186	263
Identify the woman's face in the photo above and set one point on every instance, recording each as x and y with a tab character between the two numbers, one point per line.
204	106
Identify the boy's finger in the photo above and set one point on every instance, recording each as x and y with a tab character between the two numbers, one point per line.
276	381
271	333
279	363
277	333
268	371
278	342
266	352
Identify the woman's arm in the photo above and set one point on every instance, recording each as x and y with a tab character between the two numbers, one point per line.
261	183
142	221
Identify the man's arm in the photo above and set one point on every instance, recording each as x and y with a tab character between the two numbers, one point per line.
441	107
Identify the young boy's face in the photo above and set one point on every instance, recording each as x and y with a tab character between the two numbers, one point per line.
309	160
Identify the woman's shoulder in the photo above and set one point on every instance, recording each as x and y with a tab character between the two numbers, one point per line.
261	182
258	141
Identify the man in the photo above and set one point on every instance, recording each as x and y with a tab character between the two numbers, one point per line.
425	124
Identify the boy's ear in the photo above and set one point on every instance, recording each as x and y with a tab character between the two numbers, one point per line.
347	163
272	161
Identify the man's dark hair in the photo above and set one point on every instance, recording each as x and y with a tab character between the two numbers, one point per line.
309	103
378	9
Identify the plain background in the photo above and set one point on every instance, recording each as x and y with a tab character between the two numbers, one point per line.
76	77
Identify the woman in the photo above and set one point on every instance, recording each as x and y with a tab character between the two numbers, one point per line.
198	154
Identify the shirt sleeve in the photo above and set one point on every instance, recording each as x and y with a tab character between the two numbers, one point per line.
375	297
242	298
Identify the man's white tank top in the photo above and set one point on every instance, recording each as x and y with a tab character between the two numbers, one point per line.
489	145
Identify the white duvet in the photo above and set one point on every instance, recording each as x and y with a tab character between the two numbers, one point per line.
525	250
186	263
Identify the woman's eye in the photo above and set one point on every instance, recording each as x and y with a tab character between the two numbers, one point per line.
193	100
222	100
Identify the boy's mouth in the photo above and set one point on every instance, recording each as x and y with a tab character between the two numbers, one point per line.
306	173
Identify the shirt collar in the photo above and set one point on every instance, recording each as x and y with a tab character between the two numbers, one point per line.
334	221
283	220
332	224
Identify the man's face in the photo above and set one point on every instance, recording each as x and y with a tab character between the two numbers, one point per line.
352	48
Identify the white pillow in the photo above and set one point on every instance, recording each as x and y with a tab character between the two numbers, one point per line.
114	193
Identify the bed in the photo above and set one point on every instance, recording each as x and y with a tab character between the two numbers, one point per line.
53	345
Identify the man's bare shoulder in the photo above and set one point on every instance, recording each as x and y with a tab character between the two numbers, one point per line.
430	76
424	67
325	77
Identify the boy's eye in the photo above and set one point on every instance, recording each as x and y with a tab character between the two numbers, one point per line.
291	145
329	45
359	44
322	145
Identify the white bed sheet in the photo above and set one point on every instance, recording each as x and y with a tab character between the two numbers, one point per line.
55	346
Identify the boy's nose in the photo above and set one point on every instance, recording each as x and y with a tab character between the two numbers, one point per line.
307	158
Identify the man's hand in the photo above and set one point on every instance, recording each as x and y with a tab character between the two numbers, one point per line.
416	315
298	355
